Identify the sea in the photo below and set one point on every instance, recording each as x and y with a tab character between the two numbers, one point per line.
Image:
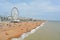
49	31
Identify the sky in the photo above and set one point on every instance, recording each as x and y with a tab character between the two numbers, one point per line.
39	9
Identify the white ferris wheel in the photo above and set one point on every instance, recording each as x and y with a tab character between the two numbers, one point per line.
14	14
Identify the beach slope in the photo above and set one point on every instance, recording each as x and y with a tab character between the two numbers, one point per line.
15	30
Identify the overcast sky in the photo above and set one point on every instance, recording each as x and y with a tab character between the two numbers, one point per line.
41	9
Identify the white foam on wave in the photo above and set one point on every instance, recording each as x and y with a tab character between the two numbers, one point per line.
28	33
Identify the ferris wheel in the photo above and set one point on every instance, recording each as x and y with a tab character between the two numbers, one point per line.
14	14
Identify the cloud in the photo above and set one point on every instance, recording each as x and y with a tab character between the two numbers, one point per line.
18	1
44	9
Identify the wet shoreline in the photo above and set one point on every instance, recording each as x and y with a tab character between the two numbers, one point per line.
28	33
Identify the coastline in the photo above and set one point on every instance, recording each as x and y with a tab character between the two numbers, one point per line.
19	30
24	35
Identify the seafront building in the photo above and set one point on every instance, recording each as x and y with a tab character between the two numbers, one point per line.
14	17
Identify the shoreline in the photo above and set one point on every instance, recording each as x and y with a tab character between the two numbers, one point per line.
16	30
24	35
